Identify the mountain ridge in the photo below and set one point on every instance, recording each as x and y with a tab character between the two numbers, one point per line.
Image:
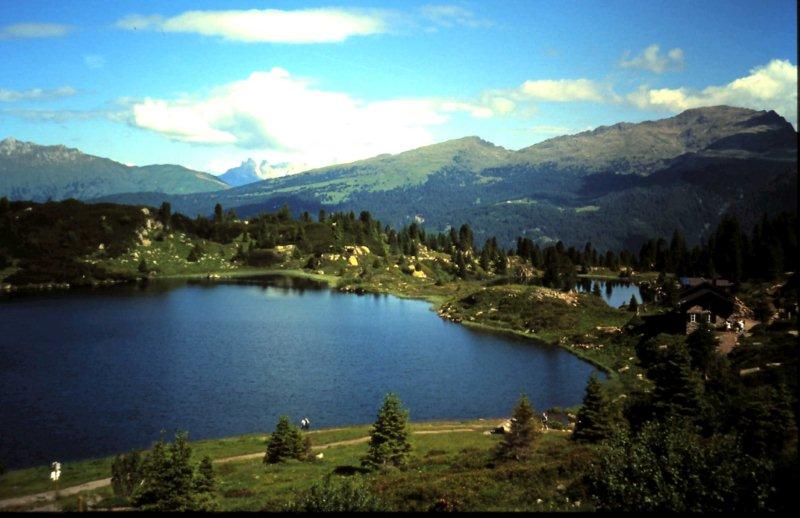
37	172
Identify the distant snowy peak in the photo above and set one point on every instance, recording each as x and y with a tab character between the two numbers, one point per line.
251	171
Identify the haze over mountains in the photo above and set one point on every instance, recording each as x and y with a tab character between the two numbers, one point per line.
32	172
251	171
614	186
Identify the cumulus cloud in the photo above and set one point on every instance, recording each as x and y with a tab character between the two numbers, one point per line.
274	110
266	25
36	94
561	90
769	87
651	59
33	30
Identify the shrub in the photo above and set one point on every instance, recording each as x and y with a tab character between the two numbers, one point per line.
126	473
334	494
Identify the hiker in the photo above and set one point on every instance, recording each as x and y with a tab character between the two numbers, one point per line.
305	423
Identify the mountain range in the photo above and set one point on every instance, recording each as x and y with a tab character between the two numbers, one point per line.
32	172
615	186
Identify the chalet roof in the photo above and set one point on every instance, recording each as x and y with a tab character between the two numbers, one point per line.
691	282
693	299
697	309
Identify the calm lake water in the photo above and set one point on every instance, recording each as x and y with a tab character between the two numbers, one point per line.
615	293
87	374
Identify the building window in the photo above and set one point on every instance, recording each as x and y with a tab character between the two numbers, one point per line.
708	318
692	318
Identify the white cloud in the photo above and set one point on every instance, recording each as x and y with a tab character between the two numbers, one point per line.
94	60
651	59
267	25
33	30
449	15
36	94
561	90
769	87
280	113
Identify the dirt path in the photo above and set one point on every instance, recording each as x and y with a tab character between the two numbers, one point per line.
51	495
47	496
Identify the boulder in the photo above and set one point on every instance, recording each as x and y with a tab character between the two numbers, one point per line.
352	261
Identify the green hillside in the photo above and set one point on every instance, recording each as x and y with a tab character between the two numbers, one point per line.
640	180
32	172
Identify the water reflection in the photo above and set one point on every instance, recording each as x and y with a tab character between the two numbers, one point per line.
615	293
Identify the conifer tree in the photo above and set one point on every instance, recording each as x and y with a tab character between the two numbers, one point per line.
518	442
167	478
678	389
388	443
702	346
594	419
286	442
633	305
204	485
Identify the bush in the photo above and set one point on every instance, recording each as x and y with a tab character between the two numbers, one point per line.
333	494
126	473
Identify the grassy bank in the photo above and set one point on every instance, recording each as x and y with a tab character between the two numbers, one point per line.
451	462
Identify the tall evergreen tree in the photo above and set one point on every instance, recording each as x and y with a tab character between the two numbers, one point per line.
594	419
167	478
388	442
702	346
285	442
518	442
205	484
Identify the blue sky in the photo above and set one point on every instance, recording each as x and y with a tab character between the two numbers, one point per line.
209	84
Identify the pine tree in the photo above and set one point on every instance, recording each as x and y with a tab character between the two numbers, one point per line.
167	478
702	346
218	215
143	267
518	442
594	419
286	442
388	443
633	305
204	485
678	389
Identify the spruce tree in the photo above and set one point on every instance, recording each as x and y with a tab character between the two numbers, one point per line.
678	389
204	485
518	442
594	418
702	346
633	305
167	478
286	442
388	443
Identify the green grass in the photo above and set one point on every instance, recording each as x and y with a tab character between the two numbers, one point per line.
456	468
